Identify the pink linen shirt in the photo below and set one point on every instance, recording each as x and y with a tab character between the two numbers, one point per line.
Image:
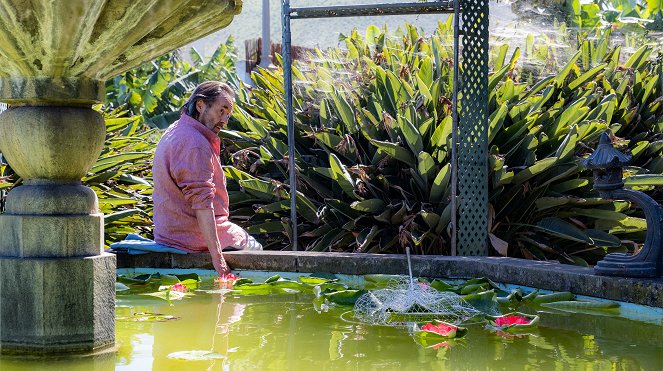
188	176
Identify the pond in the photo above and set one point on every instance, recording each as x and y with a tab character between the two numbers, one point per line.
211	328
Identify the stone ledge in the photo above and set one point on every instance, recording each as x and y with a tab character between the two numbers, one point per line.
543	275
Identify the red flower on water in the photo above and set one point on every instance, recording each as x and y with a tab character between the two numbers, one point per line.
226	281
511	320
179	287
442	329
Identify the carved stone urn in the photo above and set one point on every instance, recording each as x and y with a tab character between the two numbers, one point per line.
57	291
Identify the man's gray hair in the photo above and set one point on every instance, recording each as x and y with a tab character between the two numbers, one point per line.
207	92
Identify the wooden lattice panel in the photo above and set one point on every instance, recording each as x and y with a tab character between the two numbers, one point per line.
472	229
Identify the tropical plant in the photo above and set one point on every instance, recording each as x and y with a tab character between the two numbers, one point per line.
637	14
122	176
372	139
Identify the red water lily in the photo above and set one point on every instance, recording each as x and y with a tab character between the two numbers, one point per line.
179	287
511	320
442	329
226	281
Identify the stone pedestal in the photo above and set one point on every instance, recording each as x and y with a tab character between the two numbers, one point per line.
57	305
51	236
57	287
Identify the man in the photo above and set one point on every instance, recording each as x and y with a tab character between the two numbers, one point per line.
190	196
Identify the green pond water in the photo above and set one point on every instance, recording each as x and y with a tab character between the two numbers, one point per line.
222	331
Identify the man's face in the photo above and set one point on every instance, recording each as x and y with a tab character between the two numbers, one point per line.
215	115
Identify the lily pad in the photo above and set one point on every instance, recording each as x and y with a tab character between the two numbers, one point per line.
187	276
382	278
288	284
585	306
253	289
313	280
345	297
273	278
242	281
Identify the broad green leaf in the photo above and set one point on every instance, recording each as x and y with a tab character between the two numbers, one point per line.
561	76
538	167
346	112
306	208
341	175
395	151
442	132
372	34
643	180
369	206
132	179
585	77
412	135
602	238
569	185
627	225
544	203
440	184
267	227
638	58
365	237
120	215
426	163
313	280
115	160
259	188
559	228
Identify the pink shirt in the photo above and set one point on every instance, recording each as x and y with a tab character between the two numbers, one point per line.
188	176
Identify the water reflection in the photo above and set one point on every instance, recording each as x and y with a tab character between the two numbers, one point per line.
197	339
284	332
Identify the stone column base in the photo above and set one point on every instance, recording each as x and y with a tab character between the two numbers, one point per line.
51	236
57	305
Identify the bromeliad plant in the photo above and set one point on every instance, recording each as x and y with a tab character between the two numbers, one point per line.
372	143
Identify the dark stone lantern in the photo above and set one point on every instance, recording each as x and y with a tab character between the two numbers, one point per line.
607	163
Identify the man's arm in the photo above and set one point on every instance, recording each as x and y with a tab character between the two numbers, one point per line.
207	224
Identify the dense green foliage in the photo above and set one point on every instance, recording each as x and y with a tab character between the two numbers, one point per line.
634	14
373	132
373	148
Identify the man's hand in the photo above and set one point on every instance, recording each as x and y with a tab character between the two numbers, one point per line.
207	224
220	265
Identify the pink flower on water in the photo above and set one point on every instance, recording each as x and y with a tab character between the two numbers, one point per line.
442	329
226	281
511	320
179	287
